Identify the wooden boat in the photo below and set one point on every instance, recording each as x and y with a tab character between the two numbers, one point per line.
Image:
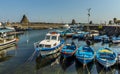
50	45
85	54
68	50
103	38
83	35
67	33
78	34
115	40
7	38
106	57
93	33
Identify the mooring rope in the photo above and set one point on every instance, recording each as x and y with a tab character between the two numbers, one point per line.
31	57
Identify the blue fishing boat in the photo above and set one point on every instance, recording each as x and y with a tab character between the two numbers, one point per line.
50	45
78	34
106	57
83	35
103	38
68	50
68	33
115	40
85	54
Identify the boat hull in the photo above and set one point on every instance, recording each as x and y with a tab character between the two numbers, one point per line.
68	51
7	44
106	63
106	57
48	51
84	57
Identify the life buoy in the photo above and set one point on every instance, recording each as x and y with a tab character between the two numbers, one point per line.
53	33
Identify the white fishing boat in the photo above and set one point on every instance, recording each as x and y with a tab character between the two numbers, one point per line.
50	45
93	33
7	38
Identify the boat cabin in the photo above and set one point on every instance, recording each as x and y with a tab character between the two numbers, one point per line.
6	35
51	40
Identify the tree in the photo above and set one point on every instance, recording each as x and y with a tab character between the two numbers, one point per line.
90	22
24	20
73	22
115	20
110	21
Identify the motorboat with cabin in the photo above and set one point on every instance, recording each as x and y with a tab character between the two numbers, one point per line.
50	45
7	38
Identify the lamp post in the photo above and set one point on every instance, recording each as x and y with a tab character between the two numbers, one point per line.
89	15
88	19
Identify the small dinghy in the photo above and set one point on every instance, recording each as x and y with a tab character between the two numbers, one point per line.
85	54
68	50
106	57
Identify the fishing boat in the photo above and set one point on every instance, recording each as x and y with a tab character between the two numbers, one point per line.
50	45
85	54
67	33
68	50
106	57
83	35
7	38
93	33
115	40
103	38
77	34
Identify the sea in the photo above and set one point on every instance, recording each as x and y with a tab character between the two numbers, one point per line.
21	59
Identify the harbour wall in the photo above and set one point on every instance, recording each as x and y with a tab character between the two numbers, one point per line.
107	29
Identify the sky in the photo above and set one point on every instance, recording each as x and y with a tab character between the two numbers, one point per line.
61	11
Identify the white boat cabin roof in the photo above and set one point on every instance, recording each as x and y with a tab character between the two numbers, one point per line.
6	30
53	34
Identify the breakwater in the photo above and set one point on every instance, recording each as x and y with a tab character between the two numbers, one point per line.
107	29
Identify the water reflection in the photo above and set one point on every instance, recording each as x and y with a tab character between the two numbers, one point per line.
8	53
83	69
66	62
45	61
103	70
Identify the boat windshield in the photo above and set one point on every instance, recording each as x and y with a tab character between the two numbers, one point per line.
48	37
54	38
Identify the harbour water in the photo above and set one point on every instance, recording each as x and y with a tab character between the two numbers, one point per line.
20	59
